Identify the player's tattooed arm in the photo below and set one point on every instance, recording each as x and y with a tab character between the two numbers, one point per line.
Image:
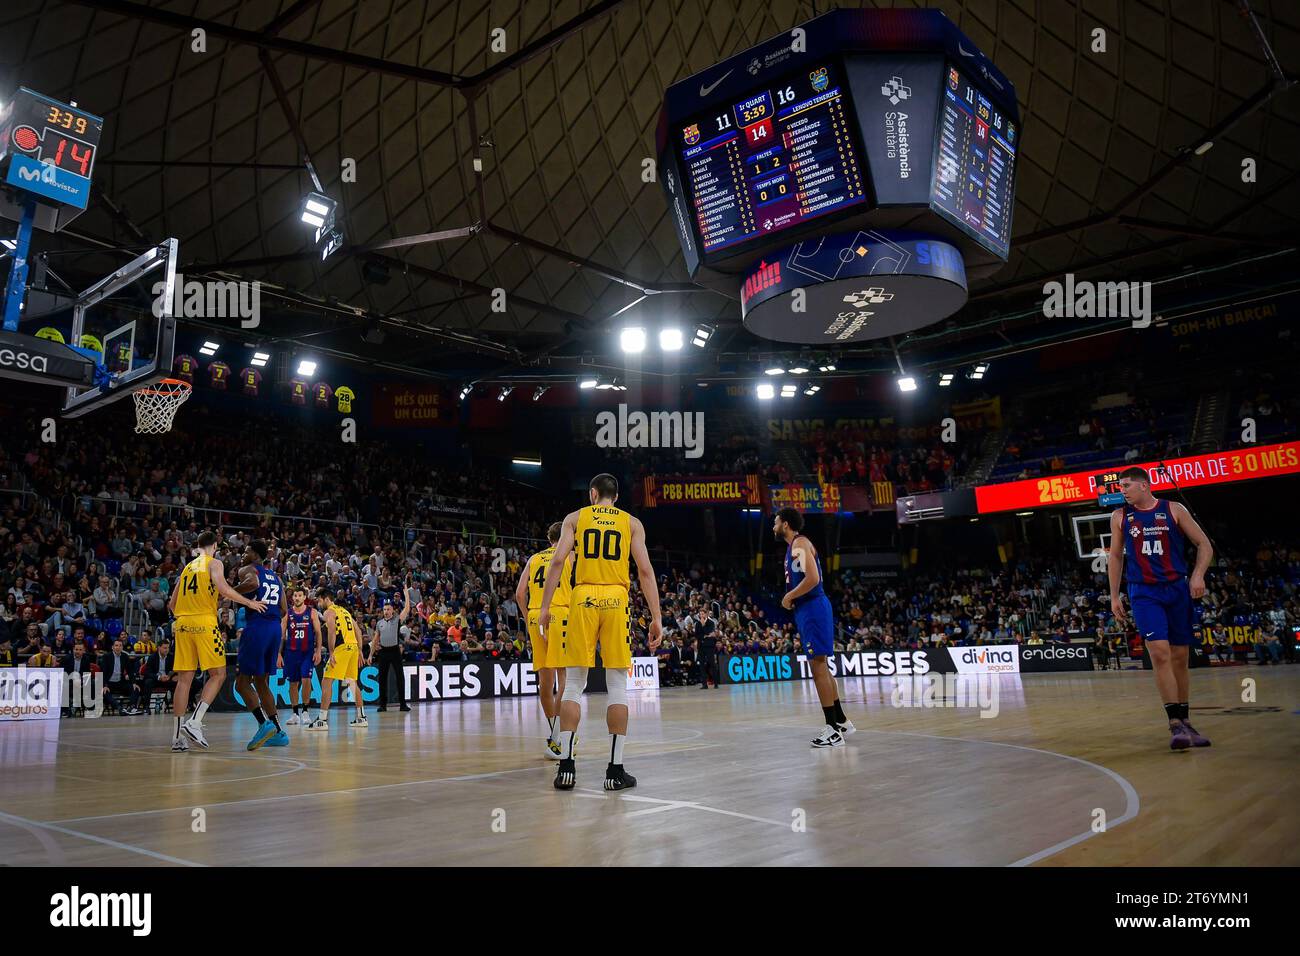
1204	550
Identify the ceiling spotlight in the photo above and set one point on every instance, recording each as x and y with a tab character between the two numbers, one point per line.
464	392
260	358
774	370
587	383
945	379
787	391
798	370
670	340
765	391
306	368
826	368
812	389
540	391
10	244
317	210
505	393
906	383
530	462
209	348
702	335
632	340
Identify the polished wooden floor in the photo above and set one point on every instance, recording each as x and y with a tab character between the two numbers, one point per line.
726	777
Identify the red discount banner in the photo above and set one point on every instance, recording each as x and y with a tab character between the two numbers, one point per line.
1240	464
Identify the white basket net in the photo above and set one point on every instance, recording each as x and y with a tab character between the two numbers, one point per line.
155	405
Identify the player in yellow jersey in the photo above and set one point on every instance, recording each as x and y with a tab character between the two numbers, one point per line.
344	654
198	639
601	538
546	652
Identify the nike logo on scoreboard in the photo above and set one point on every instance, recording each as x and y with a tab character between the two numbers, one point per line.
706	90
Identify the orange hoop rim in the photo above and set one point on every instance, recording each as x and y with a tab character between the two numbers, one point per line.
153	390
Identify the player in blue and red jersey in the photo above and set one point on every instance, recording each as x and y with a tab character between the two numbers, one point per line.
298	652
1148	540
812	616
259	645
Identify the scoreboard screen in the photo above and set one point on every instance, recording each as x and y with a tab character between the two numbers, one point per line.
974	164
779	156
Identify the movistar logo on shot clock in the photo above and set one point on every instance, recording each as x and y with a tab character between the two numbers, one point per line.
211	300
653	430
1082	299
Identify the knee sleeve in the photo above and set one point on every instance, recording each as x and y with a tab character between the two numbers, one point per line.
575	682
616	684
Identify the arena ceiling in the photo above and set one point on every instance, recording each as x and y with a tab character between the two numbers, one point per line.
211	148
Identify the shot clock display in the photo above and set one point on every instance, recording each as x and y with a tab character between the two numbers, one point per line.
774	158
48	148
1109	493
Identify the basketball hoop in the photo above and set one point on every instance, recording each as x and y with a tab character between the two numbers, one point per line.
155	405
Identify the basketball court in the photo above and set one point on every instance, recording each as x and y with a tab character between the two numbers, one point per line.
726	778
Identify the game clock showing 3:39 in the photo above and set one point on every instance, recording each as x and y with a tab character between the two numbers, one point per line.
53	133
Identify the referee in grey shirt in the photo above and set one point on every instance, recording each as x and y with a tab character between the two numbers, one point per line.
386	648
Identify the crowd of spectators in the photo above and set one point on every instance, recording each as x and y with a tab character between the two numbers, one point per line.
109	526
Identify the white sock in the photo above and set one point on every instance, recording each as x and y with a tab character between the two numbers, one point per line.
202	709
616	742
566	744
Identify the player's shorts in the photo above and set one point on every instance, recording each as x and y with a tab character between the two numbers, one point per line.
546	653
598	615
199	645
816	626
259	646
297	665
1162	612
345	662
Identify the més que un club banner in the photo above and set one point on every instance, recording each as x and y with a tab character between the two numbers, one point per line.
1239	464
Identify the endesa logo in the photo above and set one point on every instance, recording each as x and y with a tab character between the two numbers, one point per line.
764	276
1053	653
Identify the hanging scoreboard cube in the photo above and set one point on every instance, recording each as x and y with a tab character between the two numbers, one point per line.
47	152
866	158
